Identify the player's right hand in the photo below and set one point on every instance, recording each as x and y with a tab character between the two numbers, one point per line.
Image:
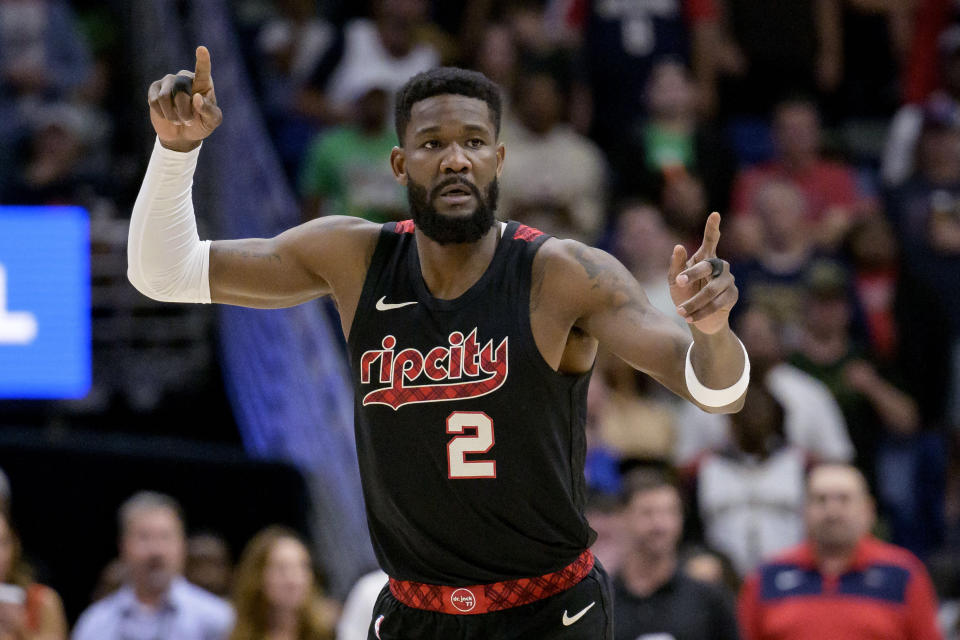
183	107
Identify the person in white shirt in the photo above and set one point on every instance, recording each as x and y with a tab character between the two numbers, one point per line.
812	418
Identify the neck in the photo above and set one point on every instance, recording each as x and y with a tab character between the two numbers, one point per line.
834	560
283	623
678	122
825	347
645	573
450	269
149	597
799	162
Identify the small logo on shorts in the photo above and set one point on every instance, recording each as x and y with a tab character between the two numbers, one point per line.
463	600
376	626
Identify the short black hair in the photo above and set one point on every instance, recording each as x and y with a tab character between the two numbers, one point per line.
445	80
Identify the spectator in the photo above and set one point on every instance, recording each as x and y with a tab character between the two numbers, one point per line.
28	610
672	140
292	46
209	565
558	177
841	582
354	623
276	595
876	36
782	48
381	50
907	124
925	213
829	188
55	170
346	172
622	41
922	75
812	419
604	513
874	256
653	597
642	241
750	495
156	602
782	253
827	351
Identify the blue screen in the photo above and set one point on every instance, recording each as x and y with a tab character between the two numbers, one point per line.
45	347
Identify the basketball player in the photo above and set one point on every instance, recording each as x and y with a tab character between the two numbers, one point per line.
471	343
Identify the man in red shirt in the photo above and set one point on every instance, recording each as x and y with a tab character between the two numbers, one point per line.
841	583
830	188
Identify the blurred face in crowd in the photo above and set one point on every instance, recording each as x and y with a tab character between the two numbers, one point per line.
208	563
396	20
153	548
796	131
450	161
782	211
759	420
497	55
539	102
287	575
839	510
827	314
655	521
939	153
670	92
642	236
761	337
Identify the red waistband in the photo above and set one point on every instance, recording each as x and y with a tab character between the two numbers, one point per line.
484	598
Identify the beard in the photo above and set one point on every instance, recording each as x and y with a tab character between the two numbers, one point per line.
449	230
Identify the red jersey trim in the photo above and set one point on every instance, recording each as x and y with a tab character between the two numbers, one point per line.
484	598
404	226
526	233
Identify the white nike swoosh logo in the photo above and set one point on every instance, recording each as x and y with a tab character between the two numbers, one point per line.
567	621
387	306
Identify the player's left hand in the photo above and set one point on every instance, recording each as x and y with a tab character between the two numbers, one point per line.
702	286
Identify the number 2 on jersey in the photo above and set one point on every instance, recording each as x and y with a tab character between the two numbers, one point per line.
480	441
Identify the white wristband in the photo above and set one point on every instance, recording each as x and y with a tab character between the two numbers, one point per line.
717	397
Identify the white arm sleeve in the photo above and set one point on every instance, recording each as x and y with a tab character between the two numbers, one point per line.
166	260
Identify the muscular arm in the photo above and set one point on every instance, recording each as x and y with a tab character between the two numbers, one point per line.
592	291
320	257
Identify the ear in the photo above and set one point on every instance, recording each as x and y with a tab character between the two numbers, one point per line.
398	162
501	154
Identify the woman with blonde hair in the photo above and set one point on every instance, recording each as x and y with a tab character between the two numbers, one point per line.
275	594
28	611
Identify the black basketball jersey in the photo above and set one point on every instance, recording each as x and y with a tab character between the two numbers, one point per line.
471	447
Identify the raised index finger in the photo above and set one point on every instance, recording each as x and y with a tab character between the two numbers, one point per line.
202	82
711	237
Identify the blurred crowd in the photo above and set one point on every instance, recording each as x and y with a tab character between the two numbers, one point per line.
826	132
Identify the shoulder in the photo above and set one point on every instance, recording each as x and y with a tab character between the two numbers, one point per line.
339	233
204	604
885	553
97	617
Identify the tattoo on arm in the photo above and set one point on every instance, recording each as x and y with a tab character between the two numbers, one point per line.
621	294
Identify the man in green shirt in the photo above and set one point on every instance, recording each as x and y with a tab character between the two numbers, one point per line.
345	171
